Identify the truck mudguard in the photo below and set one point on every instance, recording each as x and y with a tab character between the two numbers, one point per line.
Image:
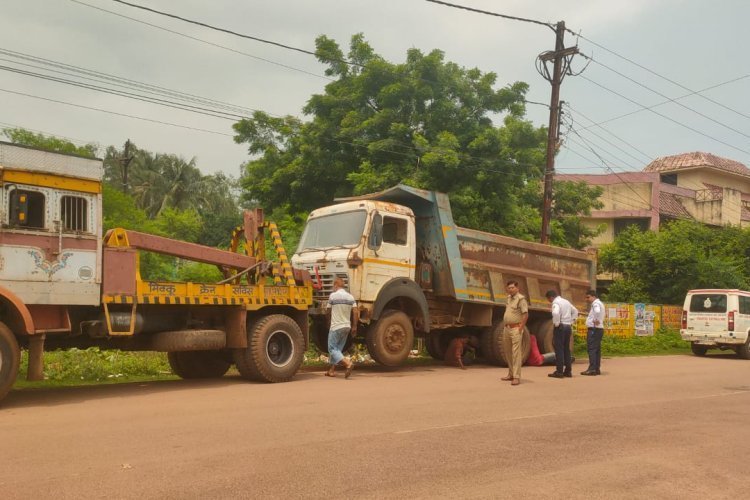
19	315
408	289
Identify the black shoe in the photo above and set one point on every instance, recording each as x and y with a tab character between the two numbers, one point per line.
556	375
597	372
568	375
588	372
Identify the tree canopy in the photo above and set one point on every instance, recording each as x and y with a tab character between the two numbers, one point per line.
425	122
660	267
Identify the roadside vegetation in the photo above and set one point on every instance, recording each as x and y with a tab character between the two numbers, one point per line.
92	366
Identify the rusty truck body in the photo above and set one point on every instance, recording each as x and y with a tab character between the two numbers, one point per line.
414	273
63	283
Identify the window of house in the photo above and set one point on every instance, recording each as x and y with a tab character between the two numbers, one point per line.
394	230
669	179
642	224
26	209
74	213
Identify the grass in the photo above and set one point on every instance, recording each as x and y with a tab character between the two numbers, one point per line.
74	367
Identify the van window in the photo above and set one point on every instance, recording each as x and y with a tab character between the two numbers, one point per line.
708	302
744	304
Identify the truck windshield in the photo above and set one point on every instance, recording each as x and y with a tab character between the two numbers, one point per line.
335	230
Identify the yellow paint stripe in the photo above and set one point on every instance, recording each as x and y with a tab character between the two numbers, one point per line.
52	181
390	263
472	292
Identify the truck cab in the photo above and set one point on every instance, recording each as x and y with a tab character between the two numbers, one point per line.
367	243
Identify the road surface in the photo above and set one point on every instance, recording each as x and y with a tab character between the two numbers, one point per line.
651	427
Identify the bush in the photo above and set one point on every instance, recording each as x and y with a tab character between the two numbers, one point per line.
663	341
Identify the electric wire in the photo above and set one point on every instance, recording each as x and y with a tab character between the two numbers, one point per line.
495	14
666	117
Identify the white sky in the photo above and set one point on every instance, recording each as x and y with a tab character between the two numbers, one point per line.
696	43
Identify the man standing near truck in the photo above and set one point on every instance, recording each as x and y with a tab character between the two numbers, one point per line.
563	315
594	333
514	320
341	305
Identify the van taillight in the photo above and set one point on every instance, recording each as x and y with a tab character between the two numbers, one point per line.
684	320
731	321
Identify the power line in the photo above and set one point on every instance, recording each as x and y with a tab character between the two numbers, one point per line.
692	92
202	41
504	16
647	156
667	97
618	159
666	117
129	95
114	113
697	92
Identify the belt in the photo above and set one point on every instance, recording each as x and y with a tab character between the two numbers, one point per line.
513	325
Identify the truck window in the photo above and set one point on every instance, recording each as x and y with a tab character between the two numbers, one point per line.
744	304
74	213
708	302
27	209
394	230
335	230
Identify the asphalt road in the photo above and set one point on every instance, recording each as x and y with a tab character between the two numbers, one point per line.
654	427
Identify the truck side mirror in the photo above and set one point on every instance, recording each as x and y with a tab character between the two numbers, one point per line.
19	208
375	239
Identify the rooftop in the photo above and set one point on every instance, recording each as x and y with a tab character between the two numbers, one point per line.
696	159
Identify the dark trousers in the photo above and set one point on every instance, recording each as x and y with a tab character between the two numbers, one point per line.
561	341
594	346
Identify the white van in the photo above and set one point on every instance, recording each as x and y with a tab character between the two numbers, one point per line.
717	319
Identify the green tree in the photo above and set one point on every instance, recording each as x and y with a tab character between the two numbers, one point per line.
425	122
41	141
662	266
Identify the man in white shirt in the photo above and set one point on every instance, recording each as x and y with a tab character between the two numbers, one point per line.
563	315
594	333
340	306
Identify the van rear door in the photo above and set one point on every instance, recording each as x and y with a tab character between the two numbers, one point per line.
707	313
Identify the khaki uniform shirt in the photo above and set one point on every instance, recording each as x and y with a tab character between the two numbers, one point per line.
516	308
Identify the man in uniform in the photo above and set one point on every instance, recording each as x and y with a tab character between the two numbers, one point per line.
594	333
564	315
515	318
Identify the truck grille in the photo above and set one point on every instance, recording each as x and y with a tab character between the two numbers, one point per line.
326	280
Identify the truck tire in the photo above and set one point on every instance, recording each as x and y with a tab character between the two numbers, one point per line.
698	350
391	338
542	330
436	344
743	351
188	340
319	336
10	357
199	364
493	349
274	352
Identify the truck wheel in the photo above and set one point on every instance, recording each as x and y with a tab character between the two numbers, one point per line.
436	344
319	335
493	349
743	351
698	350
275	350
391	338
198	364
543	331
10	357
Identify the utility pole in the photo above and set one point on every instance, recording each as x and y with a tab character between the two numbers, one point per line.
125	164
558	56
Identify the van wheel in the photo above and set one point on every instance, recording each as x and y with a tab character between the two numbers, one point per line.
743	351
10	357
391	338
698	350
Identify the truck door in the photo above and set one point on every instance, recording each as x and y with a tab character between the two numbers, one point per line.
389	252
